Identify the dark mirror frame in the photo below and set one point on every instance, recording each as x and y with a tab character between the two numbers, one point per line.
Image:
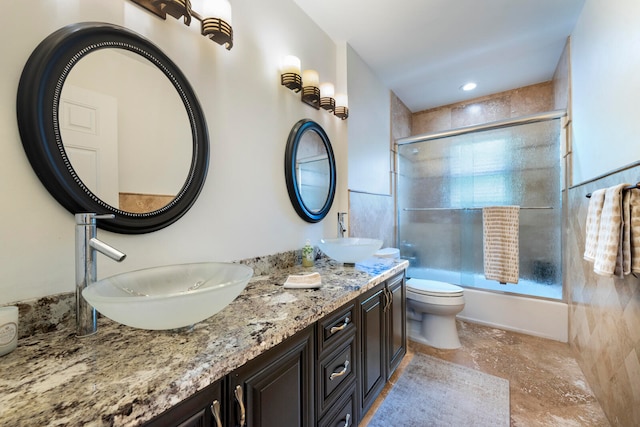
298	130
37	109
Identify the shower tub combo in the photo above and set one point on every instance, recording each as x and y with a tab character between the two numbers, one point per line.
444	180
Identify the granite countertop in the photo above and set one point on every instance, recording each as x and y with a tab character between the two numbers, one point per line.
124	376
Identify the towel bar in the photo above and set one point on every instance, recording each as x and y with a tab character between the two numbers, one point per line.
631	187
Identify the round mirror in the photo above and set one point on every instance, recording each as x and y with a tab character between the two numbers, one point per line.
111	125
310	170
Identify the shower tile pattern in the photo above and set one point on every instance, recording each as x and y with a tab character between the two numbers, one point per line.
372	216
523	101
604	315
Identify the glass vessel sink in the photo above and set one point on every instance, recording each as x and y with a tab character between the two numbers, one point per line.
349	250
168	297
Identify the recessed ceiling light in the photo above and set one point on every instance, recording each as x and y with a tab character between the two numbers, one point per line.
468	86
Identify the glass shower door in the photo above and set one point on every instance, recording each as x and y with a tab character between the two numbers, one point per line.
444	183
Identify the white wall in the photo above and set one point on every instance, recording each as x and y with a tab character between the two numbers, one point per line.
605	87
243	210
369	128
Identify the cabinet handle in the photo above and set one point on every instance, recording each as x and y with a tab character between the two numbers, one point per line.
386	299
339	328
341	372
346	420
215	410
238	394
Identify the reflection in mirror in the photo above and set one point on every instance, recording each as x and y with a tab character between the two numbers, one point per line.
56	103
125	130
312	171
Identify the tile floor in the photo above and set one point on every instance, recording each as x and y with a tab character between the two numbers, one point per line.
547	388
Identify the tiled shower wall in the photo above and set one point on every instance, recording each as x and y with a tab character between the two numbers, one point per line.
372	215
604	315
519	102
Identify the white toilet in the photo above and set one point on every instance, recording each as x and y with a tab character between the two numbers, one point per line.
431	312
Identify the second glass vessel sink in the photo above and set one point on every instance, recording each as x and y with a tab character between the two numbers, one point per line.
349	250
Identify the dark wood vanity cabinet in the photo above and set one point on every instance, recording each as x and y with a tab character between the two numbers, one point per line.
336	368
326	375
382	337
205	408
276	388
396	323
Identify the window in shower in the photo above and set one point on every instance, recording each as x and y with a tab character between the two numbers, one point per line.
443	184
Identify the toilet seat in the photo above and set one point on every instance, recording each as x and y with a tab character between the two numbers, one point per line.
433	288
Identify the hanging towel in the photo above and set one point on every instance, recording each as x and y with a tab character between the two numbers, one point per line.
610	232
634	209
623	261
500	227
593	224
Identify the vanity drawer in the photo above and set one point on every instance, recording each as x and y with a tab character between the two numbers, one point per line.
343	413
336	326
336	372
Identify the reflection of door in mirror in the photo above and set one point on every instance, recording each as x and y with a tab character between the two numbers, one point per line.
153	139
91	144
312	171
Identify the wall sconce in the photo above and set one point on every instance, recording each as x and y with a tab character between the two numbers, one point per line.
215	20
342	109
326	97
290	73
310	89
313	93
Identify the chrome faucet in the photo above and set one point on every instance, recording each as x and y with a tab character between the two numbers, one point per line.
86	246
341	226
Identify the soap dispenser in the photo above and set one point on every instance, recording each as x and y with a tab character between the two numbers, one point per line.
307	255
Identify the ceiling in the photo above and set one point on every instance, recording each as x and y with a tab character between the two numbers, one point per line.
425	50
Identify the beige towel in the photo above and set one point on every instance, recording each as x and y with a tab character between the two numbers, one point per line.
623	261
501	243
634	208
593	224
609	232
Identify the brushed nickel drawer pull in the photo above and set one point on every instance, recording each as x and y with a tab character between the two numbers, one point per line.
346	420
215	410
238	394
339	328
341	372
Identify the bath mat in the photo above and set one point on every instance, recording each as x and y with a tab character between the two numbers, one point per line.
433	392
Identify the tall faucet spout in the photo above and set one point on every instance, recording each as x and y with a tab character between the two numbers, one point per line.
107	250
87	245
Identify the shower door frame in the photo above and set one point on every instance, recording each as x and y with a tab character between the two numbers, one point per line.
510	122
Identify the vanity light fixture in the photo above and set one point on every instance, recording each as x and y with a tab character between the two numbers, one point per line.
310	89
327	101
290	73
215	21
342	109
313	93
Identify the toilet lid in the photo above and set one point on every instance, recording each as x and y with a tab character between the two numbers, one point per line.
433	288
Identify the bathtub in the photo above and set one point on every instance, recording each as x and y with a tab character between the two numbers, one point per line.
497	308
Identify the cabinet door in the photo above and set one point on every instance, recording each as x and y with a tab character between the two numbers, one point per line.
195	411
275	389
396	323
372	346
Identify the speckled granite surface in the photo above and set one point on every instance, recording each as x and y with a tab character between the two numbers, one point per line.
124	376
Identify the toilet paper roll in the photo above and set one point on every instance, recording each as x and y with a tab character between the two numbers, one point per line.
8	329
